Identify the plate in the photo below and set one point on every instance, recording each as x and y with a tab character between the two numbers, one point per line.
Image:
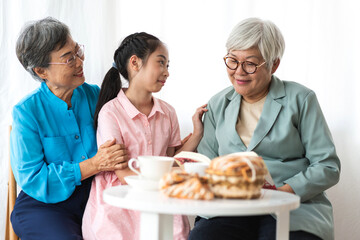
143	184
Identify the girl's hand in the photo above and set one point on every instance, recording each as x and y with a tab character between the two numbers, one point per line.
191	141
286	188
197	120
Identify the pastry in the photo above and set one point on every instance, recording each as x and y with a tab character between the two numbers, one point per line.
182	185
237	176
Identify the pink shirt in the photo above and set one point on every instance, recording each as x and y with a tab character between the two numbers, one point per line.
142	135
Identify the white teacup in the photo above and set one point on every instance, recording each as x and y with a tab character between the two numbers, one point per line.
196	167
151	167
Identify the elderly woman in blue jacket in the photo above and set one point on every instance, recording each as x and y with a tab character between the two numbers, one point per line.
53	141
283	123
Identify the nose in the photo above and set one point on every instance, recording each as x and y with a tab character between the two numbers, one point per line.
240	70
79	60
166	72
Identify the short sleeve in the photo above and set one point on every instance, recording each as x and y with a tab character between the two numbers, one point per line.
175	139
108	127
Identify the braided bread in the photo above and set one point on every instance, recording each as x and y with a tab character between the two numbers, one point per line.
183	185
237	176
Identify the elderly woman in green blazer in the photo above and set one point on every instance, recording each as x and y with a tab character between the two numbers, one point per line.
279	120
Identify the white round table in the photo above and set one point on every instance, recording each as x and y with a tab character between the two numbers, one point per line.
157	209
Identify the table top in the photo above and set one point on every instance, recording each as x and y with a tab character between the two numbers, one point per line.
271	201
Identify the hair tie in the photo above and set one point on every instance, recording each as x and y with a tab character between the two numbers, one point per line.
114	66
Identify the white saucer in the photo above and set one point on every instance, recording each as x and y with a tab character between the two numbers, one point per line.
143	184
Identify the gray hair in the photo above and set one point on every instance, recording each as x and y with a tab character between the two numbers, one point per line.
254	32
37	40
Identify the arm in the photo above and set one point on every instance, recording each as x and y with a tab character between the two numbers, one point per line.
208	144
324	165
49	183
191	142
108	128
43	166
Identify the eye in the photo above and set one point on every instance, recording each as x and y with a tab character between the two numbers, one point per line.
232	60
250	63
71	60
162	62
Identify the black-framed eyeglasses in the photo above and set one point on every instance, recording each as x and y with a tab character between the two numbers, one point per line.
247	66
71	61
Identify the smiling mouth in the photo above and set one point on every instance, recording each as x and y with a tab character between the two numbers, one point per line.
162	82
80	74
242	81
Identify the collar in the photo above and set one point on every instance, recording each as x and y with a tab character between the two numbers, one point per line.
132	111
277	88
56	100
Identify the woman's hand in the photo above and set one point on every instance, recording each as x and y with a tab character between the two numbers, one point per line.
197	121
110	157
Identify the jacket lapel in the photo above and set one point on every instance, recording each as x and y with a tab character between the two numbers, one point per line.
269	113
231	116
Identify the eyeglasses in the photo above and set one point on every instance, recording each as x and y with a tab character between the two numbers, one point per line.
72	60
247	66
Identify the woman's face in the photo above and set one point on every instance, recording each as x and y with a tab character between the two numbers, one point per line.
64	77
252	87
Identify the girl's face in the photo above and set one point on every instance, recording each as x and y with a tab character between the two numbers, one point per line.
153	74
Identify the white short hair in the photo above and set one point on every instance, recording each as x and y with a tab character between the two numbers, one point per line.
254	32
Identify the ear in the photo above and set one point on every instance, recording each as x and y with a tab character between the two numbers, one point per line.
41	72
275	66
135	63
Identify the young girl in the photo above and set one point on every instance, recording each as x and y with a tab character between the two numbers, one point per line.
144	124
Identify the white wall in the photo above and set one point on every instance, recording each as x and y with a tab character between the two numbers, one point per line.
322	52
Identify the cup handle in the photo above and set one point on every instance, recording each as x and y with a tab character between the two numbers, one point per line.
130	164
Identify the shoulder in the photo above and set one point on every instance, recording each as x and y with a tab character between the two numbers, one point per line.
111	106
294	88
289	90
30	101
166	107
223	97
90	90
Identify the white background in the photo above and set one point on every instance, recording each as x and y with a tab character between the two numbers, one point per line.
322	52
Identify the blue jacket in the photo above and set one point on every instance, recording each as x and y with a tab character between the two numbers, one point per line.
294	140
48	141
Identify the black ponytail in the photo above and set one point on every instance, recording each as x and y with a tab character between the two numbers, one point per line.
139	44
110	87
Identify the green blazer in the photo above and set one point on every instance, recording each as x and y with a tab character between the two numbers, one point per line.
294	140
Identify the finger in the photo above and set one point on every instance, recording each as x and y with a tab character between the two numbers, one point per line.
120	158
117	147
120	153
202	106
121	166
199	112
186	138
122	146
108	143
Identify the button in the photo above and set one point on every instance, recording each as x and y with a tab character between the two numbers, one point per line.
82	157
76	137
149	142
